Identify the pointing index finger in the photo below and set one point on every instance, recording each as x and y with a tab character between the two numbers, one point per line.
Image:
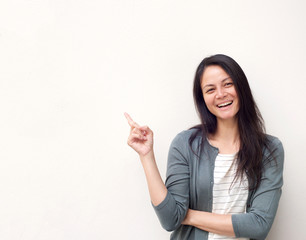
130	120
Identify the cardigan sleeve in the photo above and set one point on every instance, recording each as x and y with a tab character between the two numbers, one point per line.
172	210
261	211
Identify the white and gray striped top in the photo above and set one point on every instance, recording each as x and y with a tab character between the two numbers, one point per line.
228	197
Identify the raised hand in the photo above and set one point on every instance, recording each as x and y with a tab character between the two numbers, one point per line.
140	138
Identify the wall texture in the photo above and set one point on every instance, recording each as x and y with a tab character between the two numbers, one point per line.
70	68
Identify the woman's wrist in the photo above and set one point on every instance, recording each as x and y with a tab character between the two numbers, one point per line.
147	157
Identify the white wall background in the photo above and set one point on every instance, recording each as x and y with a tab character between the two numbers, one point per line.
70	68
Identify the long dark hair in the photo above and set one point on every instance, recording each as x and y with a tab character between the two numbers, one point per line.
250	122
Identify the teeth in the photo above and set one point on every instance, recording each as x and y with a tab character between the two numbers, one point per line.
224	104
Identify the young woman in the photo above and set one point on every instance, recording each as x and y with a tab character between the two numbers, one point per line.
224	176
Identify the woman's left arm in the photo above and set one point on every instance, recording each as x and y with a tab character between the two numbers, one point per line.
261	211
258	220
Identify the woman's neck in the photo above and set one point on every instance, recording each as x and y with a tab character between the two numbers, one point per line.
226	137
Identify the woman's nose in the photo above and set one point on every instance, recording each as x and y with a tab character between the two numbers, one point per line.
221	93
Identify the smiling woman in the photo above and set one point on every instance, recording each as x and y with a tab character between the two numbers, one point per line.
224	176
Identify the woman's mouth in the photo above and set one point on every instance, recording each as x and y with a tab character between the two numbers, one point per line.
224	104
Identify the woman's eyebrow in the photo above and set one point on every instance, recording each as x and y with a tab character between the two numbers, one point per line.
226	79
210	85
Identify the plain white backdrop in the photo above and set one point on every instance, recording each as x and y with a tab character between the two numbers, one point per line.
70	68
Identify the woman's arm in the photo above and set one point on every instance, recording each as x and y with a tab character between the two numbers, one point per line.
141	140
261	211
170	203
210	222
156	186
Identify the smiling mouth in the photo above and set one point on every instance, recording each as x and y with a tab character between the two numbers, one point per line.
224	104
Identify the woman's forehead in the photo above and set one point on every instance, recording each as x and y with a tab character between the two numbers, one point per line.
213	74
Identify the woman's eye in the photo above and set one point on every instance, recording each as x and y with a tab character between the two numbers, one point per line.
229	84
209	90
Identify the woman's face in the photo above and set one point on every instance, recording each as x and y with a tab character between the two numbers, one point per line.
219	93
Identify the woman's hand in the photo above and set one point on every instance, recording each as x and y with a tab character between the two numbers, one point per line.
140	138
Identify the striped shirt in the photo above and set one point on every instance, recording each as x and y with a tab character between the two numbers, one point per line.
228	197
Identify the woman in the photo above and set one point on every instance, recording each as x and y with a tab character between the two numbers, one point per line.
224	176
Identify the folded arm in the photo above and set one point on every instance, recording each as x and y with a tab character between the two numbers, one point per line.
211	222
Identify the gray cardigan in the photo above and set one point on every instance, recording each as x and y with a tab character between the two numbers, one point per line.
190	185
